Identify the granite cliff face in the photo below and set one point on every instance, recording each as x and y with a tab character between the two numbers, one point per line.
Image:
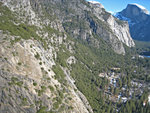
139	21
40	45
31	80
119	28
89	18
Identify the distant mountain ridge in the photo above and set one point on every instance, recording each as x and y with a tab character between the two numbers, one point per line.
138	18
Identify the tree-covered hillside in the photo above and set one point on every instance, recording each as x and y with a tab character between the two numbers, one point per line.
63	56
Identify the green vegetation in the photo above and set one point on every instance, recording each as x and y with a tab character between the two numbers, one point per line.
62	56
51	88
57	103
60	76
51	31
91	62
43	89
16	81
42	68
42	109
31	46
34	83
40	63
58	100
24	101
5	58
136	105
37	56
61	95
26	87
24	31
19	63
20	83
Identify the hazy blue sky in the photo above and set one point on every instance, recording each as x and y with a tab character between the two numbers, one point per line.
118	5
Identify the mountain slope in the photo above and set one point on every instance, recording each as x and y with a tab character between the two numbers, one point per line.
31	79
139	21
52	52
78	17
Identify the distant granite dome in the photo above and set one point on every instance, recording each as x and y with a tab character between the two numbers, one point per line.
139	21
135	12
143	9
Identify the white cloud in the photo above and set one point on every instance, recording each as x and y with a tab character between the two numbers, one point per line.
110	12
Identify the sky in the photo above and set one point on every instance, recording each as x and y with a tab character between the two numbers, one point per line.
118	5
